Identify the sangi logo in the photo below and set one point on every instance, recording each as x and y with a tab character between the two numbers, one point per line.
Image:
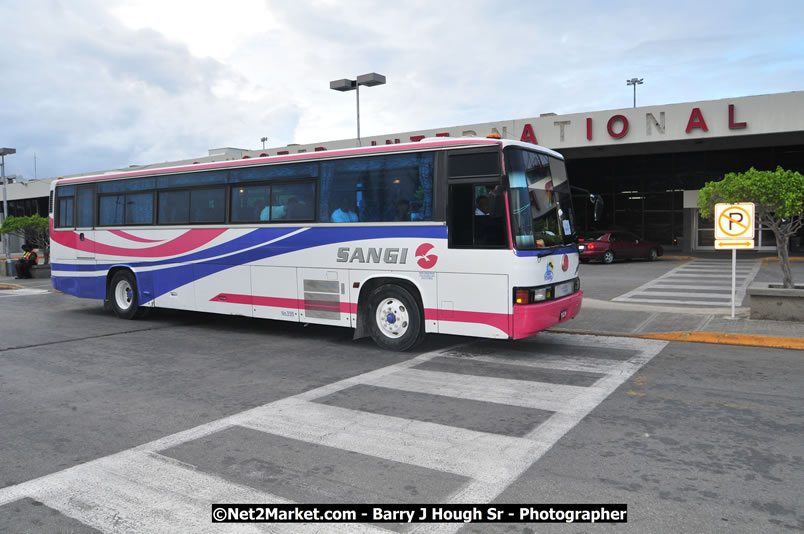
426	261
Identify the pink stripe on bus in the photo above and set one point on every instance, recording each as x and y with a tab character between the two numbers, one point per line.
190	240
130	237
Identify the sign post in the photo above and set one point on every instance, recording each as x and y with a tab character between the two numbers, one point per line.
734	228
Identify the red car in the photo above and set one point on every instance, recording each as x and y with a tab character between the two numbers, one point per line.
610	246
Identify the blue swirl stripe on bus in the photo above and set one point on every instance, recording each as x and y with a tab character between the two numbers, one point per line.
548	252
230	254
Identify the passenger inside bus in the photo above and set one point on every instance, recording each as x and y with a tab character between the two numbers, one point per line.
482	205
297	211
402	210
346	211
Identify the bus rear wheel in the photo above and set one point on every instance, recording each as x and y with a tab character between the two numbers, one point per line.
395	318
123	296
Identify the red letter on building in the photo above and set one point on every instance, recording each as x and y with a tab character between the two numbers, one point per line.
589	128
734	125
610	126
528	135
416	138
696	120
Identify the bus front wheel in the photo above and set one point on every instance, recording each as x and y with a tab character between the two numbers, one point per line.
123	296
395	319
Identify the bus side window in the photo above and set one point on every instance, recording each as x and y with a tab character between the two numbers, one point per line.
65	198
85	202
477	217
206	205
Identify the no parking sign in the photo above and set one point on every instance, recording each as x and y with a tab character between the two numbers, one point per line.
734	225
734	228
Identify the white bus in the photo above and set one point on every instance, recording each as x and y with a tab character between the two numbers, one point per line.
464	236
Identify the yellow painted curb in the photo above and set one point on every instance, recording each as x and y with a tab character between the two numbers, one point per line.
748	340
10	286
776	258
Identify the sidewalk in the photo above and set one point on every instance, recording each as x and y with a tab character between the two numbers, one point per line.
701	325
9	282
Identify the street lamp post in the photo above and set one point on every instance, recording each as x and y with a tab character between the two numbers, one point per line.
3	153
369	80
634	82
263	139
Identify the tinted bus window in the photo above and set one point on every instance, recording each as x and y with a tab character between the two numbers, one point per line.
251	203
139	208
174	207
64	206
297	201
121	186
474	164
66	211
380	188
274	172
207	205
86	197
191	179
111	210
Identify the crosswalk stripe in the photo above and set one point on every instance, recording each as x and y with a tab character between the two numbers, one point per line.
140	490
22	292
696	275
688	302
538	395
128	493
724	287
686	294
545	437
430	445
714	276
585	365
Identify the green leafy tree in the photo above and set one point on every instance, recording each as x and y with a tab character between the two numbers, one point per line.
34	229
778	197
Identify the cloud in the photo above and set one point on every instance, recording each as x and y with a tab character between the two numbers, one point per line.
96	84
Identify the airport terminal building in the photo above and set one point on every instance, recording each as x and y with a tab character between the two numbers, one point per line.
648	163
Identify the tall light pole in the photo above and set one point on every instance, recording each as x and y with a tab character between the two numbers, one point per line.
369	80
634	82
3	153
263	139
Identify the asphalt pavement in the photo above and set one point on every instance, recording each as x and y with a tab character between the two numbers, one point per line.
603	313
135	426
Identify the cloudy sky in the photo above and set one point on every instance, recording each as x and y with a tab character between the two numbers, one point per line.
91	85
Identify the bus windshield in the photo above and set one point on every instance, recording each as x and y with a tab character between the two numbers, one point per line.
541	204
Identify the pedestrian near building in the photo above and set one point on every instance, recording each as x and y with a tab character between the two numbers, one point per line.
28	260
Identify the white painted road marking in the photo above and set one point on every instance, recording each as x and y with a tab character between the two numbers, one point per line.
678	286
24	292
139	490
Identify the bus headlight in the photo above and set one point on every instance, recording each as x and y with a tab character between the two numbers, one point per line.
540	294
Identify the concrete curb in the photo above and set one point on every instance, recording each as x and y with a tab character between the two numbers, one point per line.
10	286
720	338
716	338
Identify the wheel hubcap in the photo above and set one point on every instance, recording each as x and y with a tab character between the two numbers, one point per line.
123	295
392	318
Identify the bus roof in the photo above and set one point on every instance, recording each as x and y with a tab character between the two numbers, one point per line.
430	142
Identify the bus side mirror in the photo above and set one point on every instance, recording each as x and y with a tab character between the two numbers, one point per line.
597	211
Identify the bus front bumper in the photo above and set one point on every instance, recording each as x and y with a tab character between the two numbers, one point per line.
530	319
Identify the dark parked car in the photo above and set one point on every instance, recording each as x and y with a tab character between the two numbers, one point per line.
610	246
